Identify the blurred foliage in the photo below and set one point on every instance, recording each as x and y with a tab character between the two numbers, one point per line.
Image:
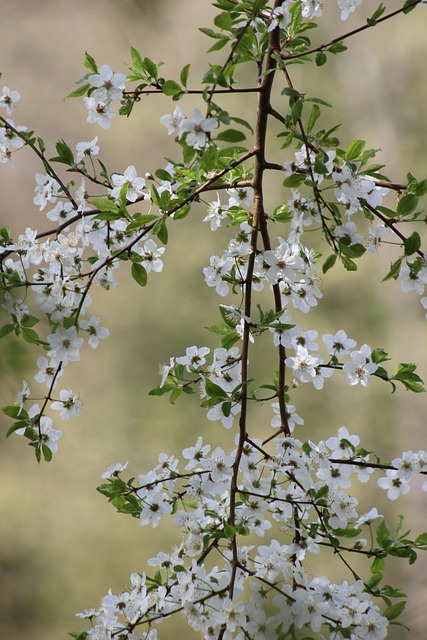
62	544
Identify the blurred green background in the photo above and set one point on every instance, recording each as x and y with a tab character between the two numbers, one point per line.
61	545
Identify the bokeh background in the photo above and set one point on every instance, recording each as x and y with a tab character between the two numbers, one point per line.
61	545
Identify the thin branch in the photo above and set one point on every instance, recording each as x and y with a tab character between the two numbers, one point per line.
293	56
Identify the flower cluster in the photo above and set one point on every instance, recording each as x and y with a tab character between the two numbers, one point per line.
308	479
108	89
251	519
195	130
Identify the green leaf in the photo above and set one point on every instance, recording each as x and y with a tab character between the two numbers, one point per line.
378	565
352	250
65	155
219	44
377	14
374	581
139	220
421	540
394	270
139	274
90	63
412	244
209	158
348	532
152	68
314	115
329	262
30	336
21	424
174	395
407	376
29	321
409	6
418	188
171	88
231	135
354	150
5	330
160	230
291	92
12	411
136	58
321	58
348	263
294	180
229	531
383	535
104	204
184	75
388	212
337	47
47	453
81	91
395	610
407	204
296	110
214	390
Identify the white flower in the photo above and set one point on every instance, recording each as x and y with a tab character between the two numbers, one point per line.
412	280
89	148
62	211
280	17
23	395
304	365
65	345
194	357
240	329
343	445
342	508
165	369
114	469
349	232
197	129
150	255
373	626
131	179
9	99
338	344
241	197
393	484
216	213
109	85
9	139
196	453
217	413
213	274
155	505
347	7
284	262
69	404
46	190
47	371
293	417
15	308
361	367
173	121
312	8
367	518
49	436
98	111
96	332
